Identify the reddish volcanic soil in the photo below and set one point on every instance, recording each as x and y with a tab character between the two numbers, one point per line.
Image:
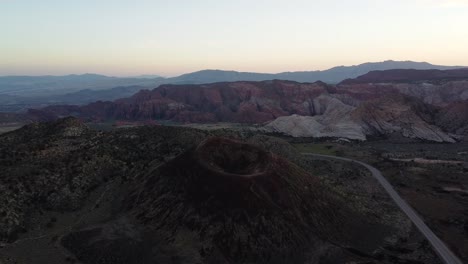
249	203
229	158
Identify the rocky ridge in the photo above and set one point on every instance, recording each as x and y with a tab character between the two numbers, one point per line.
406	103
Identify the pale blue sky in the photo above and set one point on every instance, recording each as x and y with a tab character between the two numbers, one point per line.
178	36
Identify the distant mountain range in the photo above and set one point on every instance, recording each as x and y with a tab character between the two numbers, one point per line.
22	92
429	105
53	85
331	76
408	75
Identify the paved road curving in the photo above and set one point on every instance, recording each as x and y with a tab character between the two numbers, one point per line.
441	249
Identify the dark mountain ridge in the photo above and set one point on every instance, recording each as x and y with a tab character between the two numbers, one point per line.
332	76
28	85
409	75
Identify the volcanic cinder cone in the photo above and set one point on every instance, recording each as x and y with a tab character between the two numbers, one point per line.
244	203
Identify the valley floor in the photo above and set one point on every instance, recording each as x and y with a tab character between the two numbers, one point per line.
432	178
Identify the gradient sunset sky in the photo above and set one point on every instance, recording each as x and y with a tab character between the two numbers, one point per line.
178	36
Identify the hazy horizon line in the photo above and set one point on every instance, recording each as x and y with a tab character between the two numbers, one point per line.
211	69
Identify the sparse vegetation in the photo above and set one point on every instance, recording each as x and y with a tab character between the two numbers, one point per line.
318	148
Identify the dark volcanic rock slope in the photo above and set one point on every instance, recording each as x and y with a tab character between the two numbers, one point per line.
54	166
249	206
